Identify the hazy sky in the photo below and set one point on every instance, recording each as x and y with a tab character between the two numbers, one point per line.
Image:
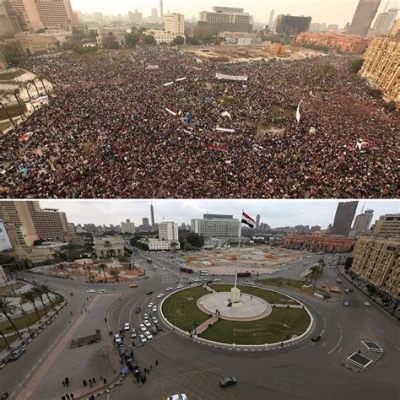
273	212
329	11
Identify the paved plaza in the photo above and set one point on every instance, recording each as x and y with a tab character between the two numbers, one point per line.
249	308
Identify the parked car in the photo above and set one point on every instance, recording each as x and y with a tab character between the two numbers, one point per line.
179	396
347	291
179	286
117	339
147	323
142	338
133	285
121	350
16	354
154	330
148	335
316	338
142	328
90	291
133	333
154	309
367	303
138	309
168	289
339	281
126	326
150	305
102	291
154	320
145	316
128	354
159	327
217	280
159	296
228	381
149	292
346	303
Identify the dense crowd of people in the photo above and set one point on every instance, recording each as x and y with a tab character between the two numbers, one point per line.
111	131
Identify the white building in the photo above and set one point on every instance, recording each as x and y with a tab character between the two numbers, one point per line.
163	37
175	23
157	244
168	231
216	226
127	227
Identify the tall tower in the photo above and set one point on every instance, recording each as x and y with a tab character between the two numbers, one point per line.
161	11
258	222
363	17
345	214
153	223
271	19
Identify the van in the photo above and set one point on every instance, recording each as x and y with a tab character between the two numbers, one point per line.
102	291
203	272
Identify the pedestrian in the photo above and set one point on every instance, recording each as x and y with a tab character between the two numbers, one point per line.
63	382
84	382
94	380
67	381
156	362
72	396
151	367
105	381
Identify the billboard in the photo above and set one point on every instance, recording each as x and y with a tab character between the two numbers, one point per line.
5	243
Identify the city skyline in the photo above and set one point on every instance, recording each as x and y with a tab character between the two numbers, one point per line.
291	212
338	12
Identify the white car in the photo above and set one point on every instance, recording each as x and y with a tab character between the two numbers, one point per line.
102	291
142	327
217	280
148	335
367	303
179	287
147	323
160	295
155	320
154	309
90	291
150	305
126	326
145	316
180	396
168	289
142	338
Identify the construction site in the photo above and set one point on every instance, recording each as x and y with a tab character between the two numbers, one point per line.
262	260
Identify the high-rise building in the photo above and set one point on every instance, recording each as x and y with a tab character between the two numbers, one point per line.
38	14
384	22
8	22
395	30
290	25
344	217
161	9
136	17
381	65
378	261
175	23
363	17
127	227
168	231
216	226
29	222
153	222
145	223
271	19
258	222
224	19
363	222
388	226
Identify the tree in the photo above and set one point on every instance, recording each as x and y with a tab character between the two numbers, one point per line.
39	294
149	40
46	290
348	263
115	273
33	82
41	79
356	65
195	240
321	73
173	246
30	297
103	267
5	340
178	41
110	42
13	54
6	308
391	106
132	39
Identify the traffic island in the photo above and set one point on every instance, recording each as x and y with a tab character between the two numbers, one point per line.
261	319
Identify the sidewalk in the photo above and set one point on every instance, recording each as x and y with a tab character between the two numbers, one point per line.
205	325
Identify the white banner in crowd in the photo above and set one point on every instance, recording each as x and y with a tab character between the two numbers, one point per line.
298	115
218	129
40	100
168	83
171	112
231	77
152	67
180	79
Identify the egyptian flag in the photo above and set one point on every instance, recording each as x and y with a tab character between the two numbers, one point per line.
246	219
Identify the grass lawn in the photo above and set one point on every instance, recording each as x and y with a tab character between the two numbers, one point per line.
271	297
286	283
180	309
280	325
23	321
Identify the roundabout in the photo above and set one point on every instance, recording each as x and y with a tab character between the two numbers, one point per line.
245	317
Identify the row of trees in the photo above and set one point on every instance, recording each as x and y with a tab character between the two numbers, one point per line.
8	309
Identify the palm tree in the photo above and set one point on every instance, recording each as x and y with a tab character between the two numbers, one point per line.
16	93
41	79
115	273
31	297
7	308
5	340
46	290
39	293
33	82
103	268
25	85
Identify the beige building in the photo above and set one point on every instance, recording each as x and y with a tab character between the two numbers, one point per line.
8	23
168	231
162	37
378	261
382	66
35	15
127	227
175	23
387	226
109	246
37	43
118	33
395	31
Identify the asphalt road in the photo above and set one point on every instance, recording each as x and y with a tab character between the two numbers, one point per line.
307	371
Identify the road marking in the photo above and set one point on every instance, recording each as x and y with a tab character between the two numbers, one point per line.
338	343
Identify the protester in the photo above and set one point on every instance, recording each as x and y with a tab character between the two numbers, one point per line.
107	132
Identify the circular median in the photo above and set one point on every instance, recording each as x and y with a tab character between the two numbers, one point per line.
260	318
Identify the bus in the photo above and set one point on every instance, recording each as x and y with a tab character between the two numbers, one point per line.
187	270
244	274
204	272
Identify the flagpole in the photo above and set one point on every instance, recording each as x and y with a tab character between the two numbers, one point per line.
240	241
